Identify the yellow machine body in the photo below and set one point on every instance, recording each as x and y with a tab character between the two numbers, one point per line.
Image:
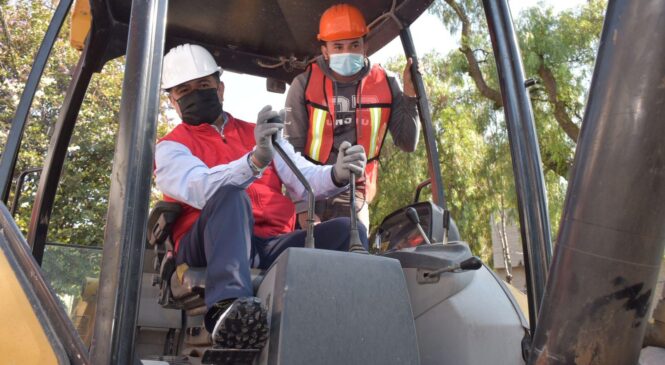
24	339
81	21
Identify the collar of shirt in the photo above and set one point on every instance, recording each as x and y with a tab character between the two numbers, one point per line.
225	118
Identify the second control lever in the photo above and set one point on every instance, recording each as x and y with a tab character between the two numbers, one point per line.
413	217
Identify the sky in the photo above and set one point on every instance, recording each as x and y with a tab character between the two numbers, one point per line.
245	95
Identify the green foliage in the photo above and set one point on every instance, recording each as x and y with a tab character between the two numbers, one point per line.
81	203
82	197
471	132
461	120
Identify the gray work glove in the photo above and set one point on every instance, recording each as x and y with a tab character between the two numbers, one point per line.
264	151
349	159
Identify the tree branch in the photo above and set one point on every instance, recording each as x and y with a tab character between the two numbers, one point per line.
474	69
560	113
5	31
481	51
560	168
539	100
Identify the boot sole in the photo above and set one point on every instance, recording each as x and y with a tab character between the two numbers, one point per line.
244	325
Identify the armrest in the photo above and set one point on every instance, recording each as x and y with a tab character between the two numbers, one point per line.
161	220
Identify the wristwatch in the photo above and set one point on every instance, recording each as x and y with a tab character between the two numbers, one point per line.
255	169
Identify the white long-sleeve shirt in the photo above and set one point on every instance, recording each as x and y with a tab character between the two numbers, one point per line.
183	176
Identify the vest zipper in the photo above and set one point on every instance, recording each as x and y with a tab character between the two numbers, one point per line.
358	111
221	130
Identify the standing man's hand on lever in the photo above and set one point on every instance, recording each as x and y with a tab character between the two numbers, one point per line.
409	87
349	159
264	150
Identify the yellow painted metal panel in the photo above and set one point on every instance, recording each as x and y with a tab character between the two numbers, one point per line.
521	298
81	21
22	337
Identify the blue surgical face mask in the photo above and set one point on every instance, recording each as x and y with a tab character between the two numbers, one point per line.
347	64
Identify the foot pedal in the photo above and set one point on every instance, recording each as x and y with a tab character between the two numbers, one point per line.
229	356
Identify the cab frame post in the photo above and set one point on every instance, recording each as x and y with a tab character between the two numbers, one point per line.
129	197
55	158
610	245
433	162
527	165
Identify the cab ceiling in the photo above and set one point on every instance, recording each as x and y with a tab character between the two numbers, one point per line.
242	34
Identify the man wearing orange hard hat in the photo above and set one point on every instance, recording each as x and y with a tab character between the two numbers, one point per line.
342	97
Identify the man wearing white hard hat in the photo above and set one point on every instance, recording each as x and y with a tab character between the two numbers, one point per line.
224	173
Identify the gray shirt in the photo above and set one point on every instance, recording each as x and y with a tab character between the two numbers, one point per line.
403	124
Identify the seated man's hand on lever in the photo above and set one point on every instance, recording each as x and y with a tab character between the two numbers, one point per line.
264	151
349	159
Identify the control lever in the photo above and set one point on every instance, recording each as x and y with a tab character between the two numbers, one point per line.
309	238
413	217
472	263
446	225
354	237
429	277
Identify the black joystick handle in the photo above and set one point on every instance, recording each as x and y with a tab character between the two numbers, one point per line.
412	215
354	237
472	263
276	119
415	219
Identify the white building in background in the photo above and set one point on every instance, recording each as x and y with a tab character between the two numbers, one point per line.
514	245
508	235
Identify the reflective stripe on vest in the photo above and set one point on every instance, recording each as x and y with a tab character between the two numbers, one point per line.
375	116
319	117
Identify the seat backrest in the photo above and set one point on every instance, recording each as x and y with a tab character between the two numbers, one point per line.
186	292
160	222
160	225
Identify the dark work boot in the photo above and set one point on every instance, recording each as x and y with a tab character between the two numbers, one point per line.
241	324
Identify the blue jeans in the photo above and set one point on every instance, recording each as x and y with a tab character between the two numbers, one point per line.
221	239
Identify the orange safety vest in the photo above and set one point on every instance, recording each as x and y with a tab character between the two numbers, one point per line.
372	116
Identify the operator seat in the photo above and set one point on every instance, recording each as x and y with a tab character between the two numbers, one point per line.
180	287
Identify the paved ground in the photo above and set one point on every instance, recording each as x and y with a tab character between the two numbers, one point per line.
652	356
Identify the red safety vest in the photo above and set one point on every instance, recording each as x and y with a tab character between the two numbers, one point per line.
372	116
274	214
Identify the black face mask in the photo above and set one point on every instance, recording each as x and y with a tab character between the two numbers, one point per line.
200	106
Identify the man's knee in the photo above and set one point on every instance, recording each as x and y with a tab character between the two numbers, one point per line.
344	224
341	226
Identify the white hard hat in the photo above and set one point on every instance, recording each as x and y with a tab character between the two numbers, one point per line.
187	62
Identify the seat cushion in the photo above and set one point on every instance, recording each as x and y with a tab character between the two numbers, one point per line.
190	290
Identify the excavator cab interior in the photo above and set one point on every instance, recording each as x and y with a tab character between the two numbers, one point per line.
422	298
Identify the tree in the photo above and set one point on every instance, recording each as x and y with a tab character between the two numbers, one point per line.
559	48
80	207
79	211
466	105
463	152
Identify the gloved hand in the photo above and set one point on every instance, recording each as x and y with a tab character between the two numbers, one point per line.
350	158
409	87
264	151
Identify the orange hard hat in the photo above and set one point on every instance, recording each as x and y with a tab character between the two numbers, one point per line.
341	21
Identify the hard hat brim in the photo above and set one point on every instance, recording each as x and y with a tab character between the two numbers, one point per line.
176	82
340	37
